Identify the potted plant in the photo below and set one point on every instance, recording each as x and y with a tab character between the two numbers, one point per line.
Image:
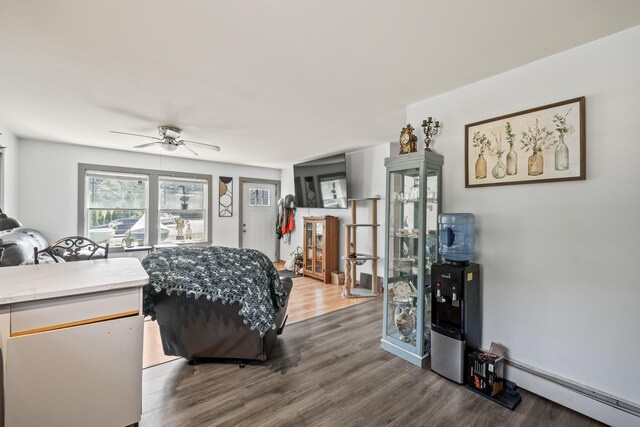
537	140
481	142
128	240
184	205
499	171
562	151
512	156
184	199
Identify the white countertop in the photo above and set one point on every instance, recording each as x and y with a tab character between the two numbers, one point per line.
44	281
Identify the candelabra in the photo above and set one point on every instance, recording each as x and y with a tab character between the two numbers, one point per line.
430	129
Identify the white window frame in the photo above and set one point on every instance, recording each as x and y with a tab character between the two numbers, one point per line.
153	205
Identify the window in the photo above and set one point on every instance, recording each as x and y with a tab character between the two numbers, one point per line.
259	197
183	210
116	206
150	207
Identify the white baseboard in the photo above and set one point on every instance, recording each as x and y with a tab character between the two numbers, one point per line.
570	398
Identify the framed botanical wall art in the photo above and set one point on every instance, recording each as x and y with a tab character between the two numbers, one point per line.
543	144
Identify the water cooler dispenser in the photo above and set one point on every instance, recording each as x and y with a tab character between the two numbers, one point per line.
455	297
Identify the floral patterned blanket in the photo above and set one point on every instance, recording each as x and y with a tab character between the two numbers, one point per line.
230	275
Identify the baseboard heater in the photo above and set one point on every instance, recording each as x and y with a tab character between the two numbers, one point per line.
621	404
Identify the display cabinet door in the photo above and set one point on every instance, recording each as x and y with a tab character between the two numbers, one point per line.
319	243
403	269
414	186
431	245
308	246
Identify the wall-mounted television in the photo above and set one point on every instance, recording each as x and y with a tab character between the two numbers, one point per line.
321	183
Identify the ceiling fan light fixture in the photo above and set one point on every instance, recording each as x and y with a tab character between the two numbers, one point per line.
168	140
169	132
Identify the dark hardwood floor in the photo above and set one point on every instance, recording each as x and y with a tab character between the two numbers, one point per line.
330	371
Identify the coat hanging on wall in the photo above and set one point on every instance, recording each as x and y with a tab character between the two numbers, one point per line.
225	196
286	217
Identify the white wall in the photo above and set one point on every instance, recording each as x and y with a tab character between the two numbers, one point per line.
560	288
10	206
48	184
366	176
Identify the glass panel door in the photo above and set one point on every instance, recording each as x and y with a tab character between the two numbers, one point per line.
431	247
431	252
308	247
403	266
414	198
319	236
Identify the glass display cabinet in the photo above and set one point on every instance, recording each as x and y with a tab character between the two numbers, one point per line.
413	202
320	253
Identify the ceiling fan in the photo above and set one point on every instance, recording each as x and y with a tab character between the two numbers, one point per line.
169	140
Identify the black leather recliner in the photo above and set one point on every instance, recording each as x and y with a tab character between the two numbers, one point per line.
198	328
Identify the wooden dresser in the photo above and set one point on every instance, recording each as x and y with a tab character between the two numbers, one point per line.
320	247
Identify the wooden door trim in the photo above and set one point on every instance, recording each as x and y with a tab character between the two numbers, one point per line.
245	180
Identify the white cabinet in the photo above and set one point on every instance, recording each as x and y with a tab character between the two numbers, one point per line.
88	375
71	343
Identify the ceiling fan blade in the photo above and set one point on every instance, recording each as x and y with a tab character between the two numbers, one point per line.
148	144
185	146
210	146
136	134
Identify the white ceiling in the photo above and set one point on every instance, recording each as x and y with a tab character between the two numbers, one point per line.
271	82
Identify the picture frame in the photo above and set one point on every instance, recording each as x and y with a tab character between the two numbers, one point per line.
542	144
225	196
333	191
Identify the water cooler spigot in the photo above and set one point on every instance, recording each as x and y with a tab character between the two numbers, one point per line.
439	296
454	300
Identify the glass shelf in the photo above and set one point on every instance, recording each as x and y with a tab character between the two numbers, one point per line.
399	273
404	202
404	237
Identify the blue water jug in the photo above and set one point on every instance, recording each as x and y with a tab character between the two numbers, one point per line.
457	236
